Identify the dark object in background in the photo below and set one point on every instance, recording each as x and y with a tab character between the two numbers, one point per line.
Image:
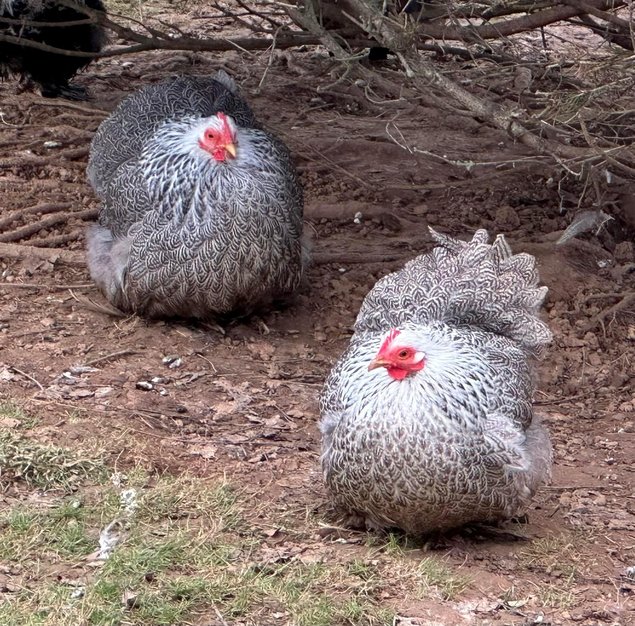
410	7
47	70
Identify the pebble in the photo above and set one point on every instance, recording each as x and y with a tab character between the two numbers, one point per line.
624	252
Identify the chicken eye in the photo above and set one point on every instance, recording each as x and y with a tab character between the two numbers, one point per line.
403	354
210	134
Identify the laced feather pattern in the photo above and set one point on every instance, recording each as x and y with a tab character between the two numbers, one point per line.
457	441
179	232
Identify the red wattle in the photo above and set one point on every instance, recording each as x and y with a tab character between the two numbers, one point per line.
397	373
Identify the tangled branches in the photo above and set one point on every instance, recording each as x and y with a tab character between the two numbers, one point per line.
569	106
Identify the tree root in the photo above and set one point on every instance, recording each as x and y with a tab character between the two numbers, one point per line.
46	207
31	229
58	240
35	160
61	257
610	313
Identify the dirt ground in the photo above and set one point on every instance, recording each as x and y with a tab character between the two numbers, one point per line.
244	404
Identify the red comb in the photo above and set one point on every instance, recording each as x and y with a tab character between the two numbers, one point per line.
390	337
227	131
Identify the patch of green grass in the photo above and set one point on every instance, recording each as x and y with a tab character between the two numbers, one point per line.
434	574
426	575
43	465
513	598
551	554
559	596
76	415
558	556
361	569
185	551
10	410
313	594
171	498
43	605
26	533
179	574
394	543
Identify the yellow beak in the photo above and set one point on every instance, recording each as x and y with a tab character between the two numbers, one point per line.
378	362
231	148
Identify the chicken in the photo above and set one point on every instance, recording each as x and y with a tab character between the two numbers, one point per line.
201	210
427	419
48	70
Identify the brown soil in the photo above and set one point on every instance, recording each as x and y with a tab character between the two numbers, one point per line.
244	403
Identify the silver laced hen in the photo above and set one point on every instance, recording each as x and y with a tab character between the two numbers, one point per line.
427	418
201	210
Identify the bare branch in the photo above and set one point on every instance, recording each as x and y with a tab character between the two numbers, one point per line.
21	252
283	41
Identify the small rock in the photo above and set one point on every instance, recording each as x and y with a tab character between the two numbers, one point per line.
591	341
81	393
145	385
172	361
507	217
624	252
100	392
129	599
82	369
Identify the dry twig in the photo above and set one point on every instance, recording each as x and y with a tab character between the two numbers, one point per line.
31	229
22	252
28	376
625	303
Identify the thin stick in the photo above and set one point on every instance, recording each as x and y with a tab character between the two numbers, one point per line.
57	240
288	40
219	615
70	105
47	287
352	258
108	357
19	371
624	303
269	62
